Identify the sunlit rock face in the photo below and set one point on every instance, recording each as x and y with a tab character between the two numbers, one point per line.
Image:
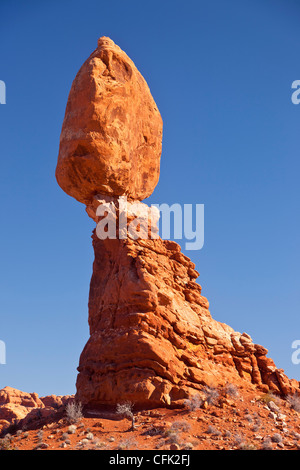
111	137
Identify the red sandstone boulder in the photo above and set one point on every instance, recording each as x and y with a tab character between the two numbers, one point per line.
9	395
55	401
16	405
112	131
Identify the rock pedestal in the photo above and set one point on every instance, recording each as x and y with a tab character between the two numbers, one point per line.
152	338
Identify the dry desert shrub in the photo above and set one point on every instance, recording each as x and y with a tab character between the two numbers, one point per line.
5	444
231	390
212	430
239	440
183	426
126	444
74	412
211	395
40	435
267	397
294	402
194	402
173	437
267	444
173	434
276	438
126	410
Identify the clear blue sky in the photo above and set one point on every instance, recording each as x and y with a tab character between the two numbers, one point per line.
221	74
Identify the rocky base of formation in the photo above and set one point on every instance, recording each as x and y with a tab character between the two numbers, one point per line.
225	418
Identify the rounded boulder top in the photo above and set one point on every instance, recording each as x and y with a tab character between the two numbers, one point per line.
111	138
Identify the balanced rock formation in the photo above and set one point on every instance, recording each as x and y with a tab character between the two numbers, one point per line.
111	136
152	338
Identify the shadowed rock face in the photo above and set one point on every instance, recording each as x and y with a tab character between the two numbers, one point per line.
112	131
152	338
